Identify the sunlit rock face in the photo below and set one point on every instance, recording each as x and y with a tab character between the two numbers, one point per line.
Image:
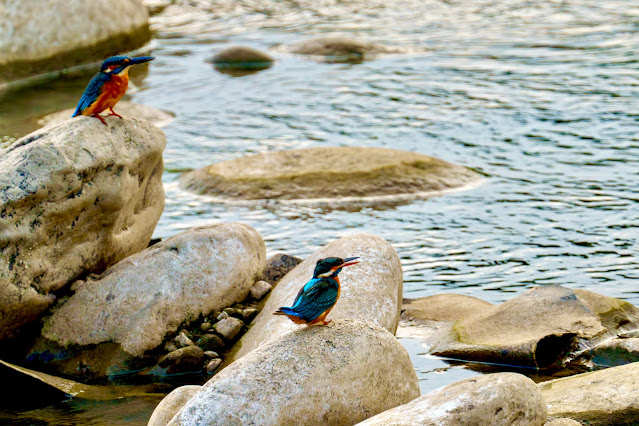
74	199
337	174
38	37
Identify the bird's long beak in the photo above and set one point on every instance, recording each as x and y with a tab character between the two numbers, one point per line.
141	59
350	261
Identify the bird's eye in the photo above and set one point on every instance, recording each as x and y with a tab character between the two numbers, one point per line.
126	60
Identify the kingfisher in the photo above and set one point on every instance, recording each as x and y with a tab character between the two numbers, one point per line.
108	86
318	296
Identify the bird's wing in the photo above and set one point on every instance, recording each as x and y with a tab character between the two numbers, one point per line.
91	92
312	301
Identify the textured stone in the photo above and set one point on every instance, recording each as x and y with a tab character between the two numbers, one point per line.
604	397
338	374
501	399
348	174
182	340
229	327
564	421
545	326
614	352
371	291
37	37
444	307
242	57
278	265
183	360
146	297
171	404
340	49
211	342
74	198
213	365
260	289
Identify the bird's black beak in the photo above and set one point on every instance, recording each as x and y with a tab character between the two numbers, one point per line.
141	60
350	261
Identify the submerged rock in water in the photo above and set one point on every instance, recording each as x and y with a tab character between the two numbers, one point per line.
544	327
338	374
37	37
371	291
501	399
241	58
613	352
74	199
143	299
344	174
340	49
604	397
126	109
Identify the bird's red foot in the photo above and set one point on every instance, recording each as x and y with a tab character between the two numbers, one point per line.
328	322
101	119
114	113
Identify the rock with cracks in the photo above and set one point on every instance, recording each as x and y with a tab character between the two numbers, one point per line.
109	325
502	399
371	291
74	199
342	373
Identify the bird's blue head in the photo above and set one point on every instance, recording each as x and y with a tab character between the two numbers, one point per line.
331	266
117	64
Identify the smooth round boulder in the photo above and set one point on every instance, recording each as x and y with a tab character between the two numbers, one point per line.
340	49
502	399
604	397
338	174
338	374
171	404
143	299
75	198
371	291
242	58
126	109
38	37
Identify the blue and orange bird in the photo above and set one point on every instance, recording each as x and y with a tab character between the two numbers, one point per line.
108	86
318	296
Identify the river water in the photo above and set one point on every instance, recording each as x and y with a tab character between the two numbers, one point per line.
540	97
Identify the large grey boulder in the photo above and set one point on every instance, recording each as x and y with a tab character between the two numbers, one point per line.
338	374
371	291
74	198
604	397
340	174
37	37
171	404
545	326
126	109
502	399
141	300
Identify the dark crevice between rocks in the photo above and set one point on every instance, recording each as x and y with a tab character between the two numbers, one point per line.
553	350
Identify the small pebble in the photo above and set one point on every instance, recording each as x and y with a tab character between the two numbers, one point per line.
212	365
206	326
249	313
222	316
229	311
170	347
182	340
211	354
229	327
260	289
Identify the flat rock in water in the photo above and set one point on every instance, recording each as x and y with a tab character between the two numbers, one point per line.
339	174
243	58
340	49
543	327
502	399
604	397
74	198
126	109
371	291
338	374
444	307
614	352
40	37
137	303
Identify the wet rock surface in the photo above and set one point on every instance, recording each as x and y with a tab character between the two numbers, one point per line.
349	174
340	49
495	399
544	327
242	58
371	291
37	37
605	397
74	199
185	277
315	375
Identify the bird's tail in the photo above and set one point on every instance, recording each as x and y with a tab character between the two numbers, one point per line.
285	310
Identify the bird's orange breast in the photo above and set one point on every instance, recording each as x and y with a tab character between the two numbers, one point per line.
111	93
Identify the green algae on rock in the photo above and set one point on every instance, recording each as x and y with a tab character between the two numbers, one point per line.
338	174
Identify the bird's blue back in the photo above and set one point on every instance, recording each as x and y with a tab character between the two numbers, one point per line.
91	92
315	297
